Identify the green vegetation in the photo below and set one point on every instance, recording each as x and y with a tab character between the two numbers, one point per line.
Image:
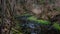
44	22
38	21
56	25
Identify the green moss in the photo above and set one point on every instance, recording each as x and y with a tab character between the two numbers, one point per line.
32	18
38	21
43	22
56	25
